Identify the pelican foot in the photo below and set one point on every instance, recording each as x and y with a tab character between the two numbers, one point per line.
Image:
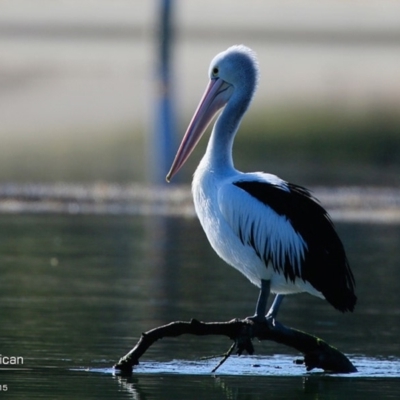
257	318
269	320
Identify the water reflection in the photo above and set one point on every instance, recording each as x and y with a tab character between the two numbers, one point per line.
77	291
255	388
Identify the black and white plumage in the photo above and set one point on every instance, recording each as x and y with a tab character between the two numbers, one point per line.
272	231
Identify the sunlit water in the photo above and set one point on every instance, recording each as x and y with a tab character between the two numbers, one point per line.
77	291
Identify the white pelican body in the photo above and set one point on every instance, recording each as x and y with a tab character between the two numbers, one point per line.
272	231
215	199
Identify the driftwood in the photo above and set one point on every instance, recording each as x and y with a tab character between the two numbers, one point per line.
317	353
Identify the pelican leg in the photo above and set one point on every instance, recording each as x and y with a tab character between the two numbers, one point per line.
273	311
262	301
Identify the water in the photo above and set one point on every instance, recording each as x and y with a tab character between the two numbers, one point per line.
76	291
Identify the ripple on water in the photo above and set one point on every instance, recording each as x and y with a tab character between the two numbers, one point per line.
277	365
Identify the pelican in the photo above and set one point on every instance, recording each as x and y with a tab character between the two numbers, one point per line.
274	232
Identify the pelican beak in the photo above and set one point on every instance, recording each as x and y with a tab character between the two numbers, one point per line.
215	97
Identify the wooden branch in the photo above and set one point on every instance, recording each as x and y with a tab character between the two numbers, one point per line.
317	353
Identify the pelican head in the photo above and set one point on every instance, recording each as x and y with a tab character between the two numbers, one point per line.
233	78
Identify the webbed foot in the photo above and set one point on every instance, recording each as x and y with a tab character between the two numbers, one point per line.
257	318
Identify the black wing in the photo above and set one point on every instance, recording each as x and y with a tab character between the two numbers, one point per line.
325	265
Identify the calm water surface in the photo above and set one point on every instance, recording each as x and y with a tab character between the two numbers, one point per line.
77	291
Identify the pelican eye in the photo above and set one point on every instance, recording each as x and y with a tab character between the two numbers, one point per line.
215	71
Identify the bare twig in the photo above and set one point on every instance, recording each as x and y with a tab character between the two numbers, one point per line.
226	356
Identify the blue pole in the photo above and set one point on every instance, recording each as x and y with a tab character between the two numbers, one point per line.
162	143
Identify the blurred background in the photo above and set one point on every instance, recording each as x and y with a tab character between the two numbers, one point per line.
79	89
84	120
